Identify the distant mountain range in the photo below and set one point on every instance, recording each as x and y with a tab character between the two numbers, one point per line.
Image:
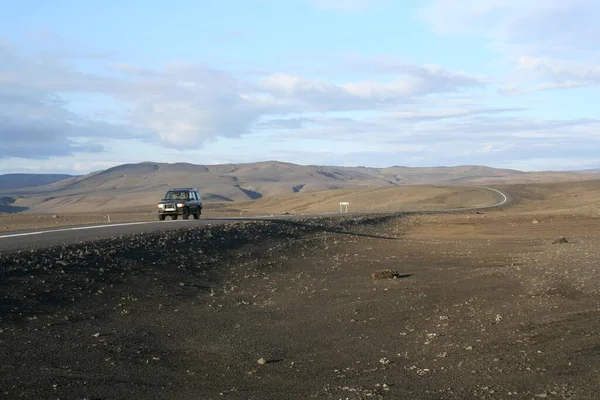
20	181
144	183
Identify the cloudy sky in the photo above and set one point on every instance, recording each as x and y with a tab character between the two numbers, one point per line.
85	85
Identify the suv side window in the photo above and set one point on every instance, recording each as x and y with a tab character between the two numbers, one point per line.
193	196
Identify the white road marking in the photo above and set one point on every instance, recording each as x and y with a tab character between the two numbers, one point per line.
505	199
80	228
74	229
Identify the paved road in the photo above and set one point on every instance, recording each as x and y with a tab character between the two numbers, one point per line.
26	240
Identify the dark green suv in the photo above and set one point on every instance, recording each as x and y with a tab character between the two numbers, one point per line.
180	201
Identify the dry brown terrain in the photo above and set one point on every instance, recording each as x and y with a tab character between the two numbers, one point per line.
361	200
414	197
121	187
485	306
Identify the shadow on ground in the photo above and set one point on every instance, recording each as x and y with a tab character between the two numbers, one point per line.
339	225
38	282
7	208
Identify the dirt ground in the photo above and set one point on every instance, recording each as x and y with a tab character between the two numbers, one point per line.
364	199
484	306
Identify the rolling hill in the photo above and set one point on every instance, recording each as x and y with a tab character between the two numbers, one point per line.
141	185
20	181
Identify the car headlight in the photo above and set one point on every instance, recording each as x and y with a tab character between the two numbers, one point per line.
180	205
161	206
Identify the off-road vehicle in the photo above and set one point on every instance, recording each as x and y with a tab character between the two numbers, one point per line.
180	201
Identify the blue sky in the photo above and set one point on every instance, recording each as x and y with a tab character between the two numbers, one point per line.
504	83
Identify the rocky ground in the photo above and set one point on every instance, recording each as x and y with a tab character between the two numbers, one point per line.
480	306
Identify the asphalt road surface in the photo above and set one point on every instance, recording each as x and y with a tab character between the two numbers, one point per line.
29	240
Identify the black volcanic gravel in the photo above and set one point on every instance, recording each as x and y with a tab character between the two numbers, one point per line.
41	280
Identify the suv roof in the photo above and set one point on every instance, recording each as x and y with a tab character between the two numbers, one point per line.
182	189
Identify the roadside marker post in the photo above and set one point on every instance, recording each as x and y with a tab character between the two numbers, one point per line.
344	206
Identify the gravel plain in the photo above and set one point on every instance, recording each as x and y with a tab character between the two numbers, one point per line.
480	306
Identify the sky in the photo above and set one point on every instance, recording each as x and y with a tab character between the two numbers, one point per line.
87	85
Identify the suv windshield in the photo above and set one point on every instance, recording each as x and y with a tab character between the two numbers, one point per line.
177	196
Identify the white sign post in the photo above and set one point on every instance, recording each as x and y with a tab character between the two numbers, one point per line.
344	206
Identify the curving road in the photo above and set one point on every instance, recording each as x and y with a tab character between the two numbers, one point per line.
36	239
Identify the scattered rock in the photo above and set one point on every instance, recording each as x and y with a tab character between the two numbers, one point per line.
55	216
535	221
262	361
385	274
560	240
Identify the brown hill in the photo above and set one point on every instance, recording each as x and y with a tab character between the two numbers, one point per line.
20	181
578	197
130	185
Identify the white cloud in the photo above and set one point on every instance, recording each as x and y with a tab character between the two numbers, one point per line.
427	137
426	114
542	36
411	81
516	89
543	74
529	26
35	121
552	163
180	105
560	70
281	84
449	112
484	136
